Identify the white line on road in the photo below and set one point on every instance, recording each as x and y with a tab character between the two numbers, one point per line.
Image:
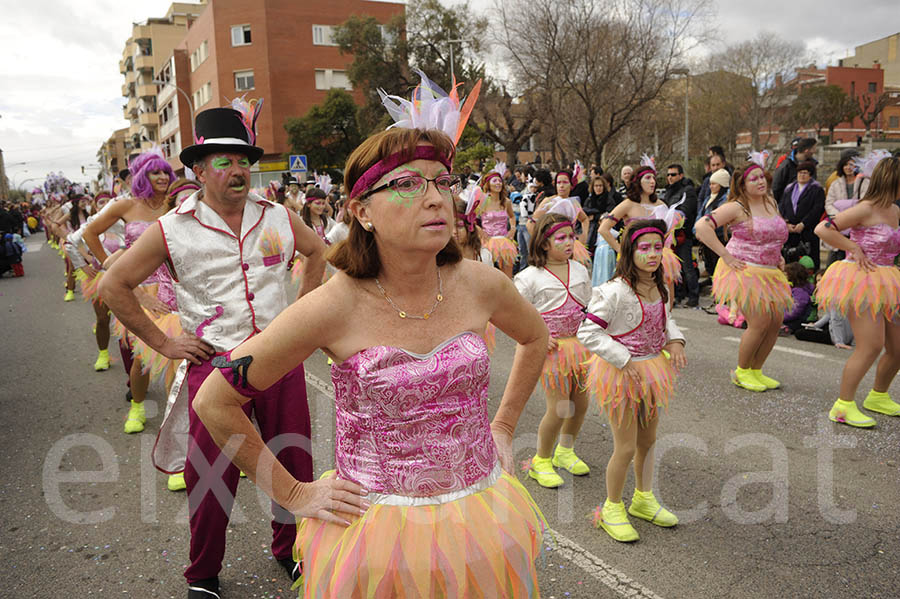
34	247
567	548
790	350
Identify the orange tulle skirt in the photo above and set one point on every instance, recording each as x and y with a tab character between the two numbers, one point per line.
503	250
490	337
582	255
618	395
482	545
152	361
566	365
90	286
850	289
754	290
671	265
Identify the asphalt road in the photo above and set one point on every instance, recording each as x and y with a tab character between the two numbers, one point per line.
774	500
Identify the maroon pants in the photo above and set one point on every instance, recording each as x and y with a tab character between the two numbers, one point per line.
282	414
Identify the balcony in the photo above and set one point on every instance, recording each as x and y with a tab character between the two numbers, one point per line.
131	106
143	63
149	119
126	90
122	68
130	76
146	90
135	130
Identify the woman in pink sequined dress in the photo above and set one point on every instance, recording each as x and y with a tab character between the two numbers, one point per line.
559	287
499	222
421	502
750	274
866	288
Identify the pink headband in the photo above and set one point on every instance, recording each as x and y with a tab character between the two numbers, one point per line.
556	228
641	172
382	167
644	230
184	187
751	167
491	175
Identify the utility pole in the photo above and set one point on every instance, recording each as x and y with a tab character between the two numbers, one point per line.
4	182
687	81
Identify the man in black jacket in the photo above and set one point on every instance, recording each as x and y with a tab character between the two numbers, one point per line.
787	172
680	191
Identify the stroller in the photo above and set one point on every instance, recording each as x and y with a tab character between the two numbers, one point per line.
11	255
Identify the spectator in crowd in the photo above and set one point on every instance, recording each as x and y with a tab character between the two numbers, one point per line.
802	205
849	155
597	204
614	196
545	188
787	172
625	177
680	191
718	182
520	179
842	184
801	290
716	160
838	334
783	157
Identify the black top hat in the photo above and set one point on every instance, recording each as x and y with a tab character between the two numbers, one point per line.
293	181
221	130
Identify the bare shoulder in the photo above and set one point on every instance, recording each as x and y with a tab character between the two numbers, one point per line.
327	309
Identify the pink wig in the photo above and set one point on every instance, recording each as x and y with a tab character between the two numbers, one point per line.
143	165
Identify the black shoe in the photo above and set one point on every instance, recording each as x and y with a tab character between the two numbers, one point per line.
129	396
693	303
208	588
293	569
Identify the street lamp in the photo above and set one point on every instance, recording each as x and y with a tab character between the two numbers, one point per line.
451	42
186	97
687	81
14	178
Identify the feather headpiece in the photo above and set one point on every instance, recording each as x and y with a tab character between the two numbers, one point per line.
565	207
648	164
249	111
578	174
759	158
866	164
323	182
474	197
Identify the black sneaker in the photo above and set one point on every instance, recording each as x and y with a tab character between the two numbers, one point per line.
693	303
293	569
208	588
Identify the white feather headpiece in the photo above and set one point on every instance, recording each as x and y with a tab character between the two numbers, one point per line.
866	164
759	158
323	182
648	161
565	207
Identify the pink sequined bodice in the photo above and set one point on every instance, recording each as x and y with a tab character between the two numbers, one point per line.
161	277
411	424
565	320
649	337
880	243
495	223
760	244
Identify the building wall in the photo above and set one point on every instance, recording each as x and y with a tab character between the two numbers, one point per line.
884	52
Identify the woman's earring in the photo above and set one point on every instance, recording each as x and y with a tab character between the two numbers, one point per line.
369	227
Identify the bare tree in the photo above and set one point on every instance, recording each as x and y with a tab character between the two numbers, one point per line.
869	107
603	59
765	61
508	121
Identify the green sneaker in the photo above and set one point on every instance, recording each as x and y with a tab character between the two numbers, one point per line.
645	506
176	482
769	382
102	362
881	402
136	418
542	471
612	518
846	412
70	296
564	457
743	377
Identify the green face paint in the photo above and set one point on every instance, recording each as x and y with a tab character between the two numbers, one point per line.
244	163
398	172
220	163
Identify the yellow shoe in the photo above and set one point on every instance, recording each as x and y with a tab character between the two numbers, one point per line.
70	296
743	377
564	457
645	506
176	482
612	518
102	362
542	471
881	402
846	412
241	474
769	382
136	418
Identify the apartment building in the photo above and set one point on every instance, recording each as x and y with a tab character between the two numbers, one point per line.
882	52
278	50
113	154
146	52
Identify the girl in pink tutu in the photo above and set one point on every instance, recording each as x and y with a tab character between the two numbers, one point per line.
638	351
563	203
498	220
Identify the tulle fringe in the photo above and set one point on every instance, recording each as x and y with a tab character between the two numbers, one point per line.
490	337
582	255
848	288
297	270
754	289
503	250
90	287
671	265
151	360
482	545
618	394
567	364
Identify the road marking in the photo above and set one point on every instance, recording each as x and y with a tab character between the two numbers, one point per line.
34	247
791	350
564	546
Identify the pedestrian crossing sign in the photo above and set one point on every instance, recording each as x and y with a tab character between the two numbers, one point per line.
298	163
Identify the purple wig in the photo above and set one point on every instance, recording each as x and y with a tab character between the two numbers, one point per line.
141	166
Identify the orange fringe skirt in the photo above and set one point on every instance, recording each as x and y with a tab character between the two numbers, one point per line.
754	290
503	250
567	364
582	255
671	265
90	287
617	394
850	289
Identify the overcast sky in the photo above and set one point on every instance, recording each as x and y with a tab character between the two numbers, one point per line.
60	87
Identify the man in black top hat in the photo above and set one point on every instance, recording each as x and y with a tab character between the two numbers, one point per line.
227	250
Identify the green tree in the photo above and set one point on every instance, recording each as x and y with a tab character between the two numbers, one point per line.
328	132
824	107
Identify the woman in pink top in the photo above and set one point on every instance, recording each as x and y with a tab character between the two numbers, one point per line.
499	221
750	272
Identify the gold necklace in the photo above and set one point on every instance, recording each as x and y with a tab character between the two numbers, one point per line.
403	313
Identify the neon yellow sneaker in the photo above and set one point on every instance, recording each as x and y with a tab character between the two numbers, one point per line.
564	457
176	482
70	296
542	471
614	521
881	402
136	418
743	377
846	412
768	381
102	362
645	506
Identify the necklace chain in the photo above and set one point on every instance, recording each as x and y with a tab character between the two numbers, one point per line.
403	313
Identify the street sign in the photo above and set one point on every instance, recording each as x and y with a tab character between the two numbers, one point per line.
298	163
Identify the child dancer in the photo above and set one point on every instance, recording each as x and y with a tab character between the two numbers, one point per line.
467	232
866	288
628	327
564	184
499	220
748	275
559	288
313	214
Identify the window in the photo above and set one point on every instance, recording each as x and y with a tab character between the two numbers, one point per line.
243	80
167	112
873	87
322	35
199	55
894	122
202	95
331	78
240	35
